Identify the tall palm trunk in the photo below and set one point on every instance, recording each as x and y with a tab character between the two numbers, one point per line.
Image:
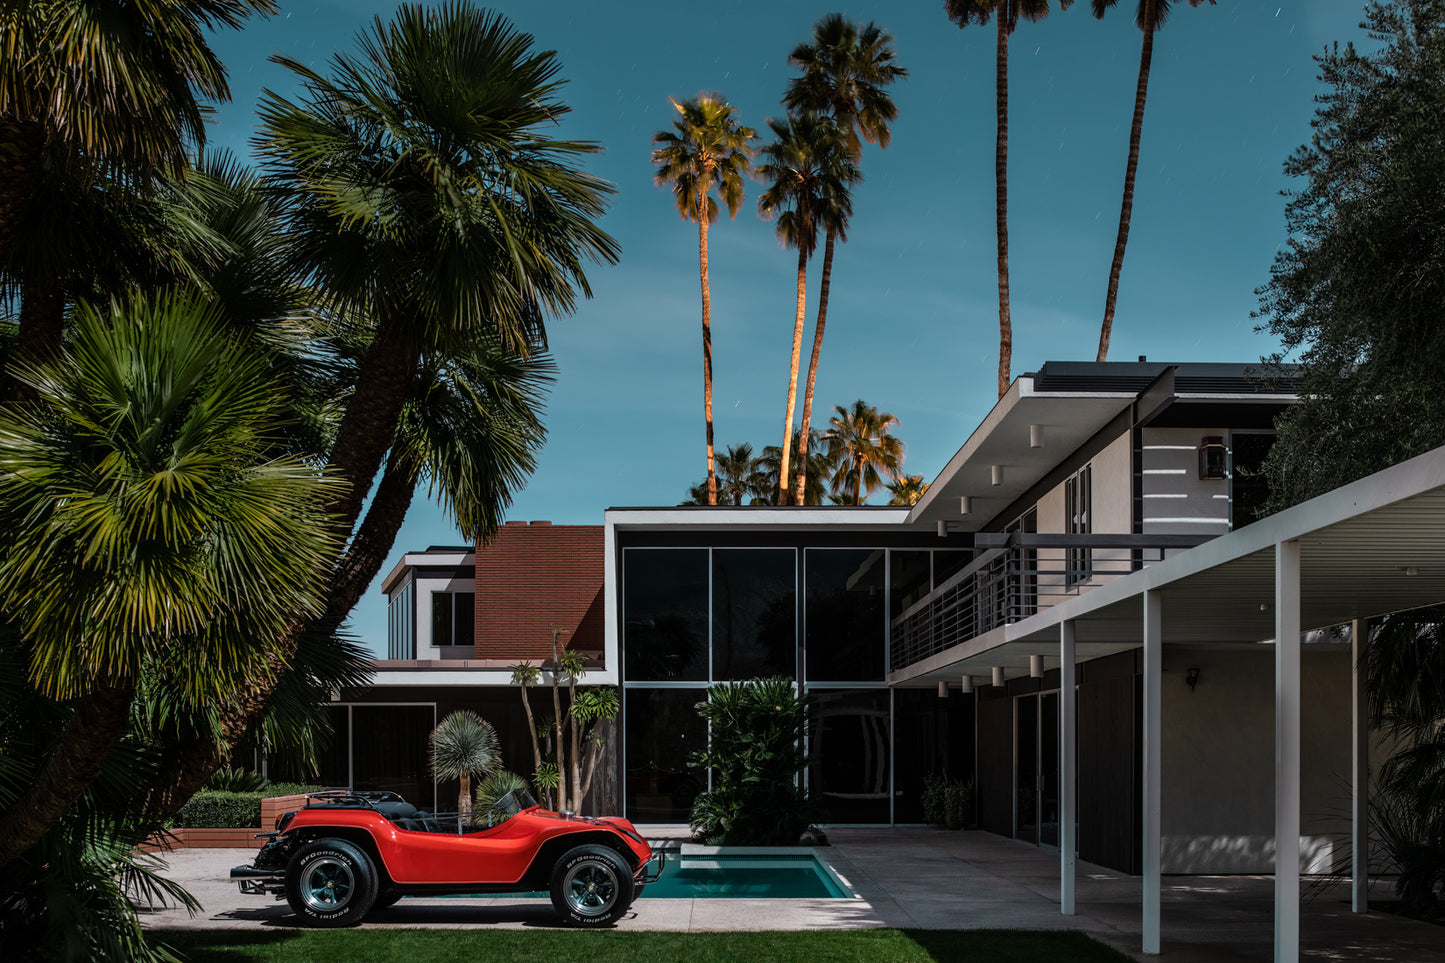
801	477
706	342
1126	210
793	376
1000	174
371	417
22	144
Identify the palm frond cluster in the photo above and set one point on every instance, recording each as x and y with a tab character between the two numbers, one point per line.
846	464
810	169
223	386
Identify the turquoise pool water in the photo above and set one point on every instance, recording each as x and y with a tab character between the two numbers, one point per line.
746	876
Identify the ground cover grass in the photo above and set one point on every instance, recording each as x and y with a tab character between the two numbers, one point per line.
274	945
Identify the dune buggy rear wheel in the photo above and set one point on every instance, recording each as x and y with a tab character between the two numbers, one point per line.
591	886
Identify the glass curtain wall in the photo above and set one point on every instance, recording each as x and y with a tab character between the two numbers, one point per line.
695	617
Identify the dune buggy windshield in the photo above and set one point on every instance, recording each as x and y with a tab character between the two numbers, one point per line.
507	807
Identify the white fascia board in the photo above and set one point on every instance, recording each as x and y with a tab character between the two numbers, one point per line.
412	560
732	519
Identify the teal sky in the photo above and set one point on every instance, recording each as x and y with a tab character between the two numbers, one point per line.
913	314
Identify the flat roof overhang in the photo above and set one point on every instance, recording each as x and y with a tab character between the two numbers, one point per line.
1369	548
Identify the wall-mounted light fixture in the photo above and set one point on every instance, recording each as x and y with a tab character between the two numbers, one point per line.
943	690
967	688
1036	667
1410	570
1191	677
1036	436
998	676
1212	457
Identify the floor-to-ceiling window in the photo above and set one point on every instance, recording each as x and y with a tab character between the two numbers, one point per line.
694	617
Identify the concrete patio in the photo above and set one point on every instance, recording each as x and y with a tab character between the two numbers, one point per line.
912	878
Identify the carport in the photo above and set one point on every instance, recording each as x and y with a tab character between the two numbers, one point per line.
1370	548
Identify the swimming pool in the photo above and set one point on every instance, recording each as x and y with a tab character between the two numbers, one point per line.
747	872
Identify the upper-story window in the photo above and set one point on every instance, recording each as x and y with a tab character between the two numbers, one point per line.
1078	509
453	618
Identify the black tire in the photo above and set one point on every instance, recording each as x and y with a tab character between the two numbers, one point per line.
331	882
591	886
386	896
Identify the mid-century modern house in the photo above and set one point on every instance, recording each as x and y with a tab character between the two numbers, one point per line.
1084	614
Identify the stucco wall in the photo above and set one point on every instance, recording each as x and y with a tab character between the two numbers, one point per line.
1218	752
1176	499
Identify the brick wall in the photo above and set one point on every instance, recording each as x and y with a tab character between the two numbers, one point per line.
532	577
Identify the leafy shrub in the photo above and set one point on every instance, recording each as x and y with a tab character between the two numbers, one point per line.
947	801
236	780
231	810
756	751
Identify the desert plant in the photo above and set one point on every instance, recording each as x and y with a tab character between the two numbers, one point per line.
756	751
947	801
235	780
497	785
464	745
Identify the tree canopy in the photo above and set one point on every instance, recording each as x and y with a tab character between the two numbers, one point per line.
1357	295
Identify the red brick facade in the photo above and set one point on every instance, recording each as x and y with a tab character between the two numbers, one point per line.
532	578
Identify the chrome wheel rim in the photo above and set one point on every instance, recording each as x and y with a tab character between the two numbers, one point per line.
591	888
329	885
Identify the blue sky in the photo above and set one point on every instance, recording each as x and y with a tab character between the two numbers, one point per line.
913	314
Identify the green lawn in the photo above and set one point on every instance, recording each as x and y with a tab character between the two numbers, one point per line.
621	946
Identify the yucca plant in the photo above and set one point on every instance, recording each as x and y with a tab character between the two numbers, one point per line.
464	745
497	785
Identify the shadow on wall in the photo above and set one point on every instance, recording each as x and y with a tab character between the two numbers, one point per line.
1225	855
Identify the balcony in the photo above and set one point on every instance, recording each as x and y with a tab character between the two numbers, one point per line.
1014	576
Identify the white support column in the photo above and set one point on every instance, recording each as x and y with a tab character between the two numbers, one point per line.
1153	681
1286	751
1068	769
1359	774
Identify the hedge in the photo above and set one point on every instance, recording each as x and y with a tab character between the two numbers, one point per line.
232	810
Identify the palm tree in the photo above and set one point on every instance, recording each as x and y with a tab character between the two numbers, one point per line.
1150	16
1006	13
102	88
810	169
142	497
845	69
464	745
862	450
816	465
707	148
737	473
907	490
432	207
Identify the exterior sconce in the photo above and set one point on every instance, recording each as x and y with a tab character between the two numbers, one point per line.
996	474
1036	436
998	676
1191	677
965	505
1212	457
943	690
967	688
942	529
1036	667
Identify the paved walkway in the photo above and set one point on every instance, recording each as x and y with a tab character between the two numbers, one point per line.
911	878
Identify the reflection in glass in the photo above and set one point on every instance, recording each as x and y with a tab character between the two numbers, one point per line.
664	614
930	736
1049	769
845	616
663	729
909	579
1026	769
389	751
948	563
754	613
849	774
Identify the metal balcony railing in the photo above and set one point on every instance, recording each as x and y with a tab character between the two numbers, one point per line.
1014	576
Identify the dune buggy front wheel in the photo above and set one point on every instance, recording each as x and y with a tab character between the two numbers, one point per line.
591	886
